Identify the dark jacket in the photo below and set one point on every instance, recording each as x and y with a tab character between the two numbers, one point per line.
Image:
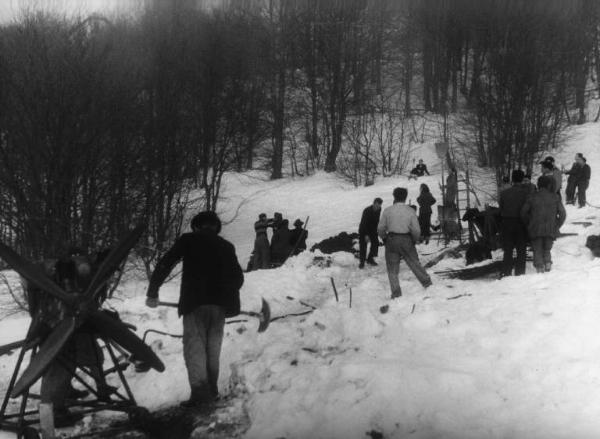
544	214
586	173
512	200
298	239
280	244
369	221
425	201
574	173
211	273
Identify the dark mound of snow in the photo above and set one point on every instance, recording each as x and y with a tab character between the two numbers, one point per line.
344	242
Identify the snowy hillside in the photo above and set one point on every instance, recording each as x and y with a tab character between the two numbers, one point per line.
510	358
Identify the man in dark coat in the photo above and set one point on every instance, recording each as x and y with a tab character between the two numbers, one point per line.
425	200
298	237
367	232
549	169
280	243
583	182
544	214
512	229
210	284
574	176
261	255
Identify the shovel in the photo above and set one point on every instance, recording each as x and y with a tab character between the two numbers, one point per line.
264	316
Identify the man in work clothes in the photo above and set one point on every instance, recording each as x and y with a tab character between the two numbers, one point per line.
262	252
549	169
368	230
399	229
210	284
512	229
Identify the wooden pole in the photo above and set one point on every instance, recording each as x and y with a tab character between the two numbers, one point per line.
337	299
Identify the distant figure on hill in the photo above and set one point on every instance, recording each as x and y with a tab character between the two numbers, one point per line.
419	170
298	237
367	232
512	227
544	214
400	231
425	200
579	179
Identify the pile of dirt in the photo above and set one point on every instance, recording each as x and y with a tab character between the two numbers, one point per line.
593	243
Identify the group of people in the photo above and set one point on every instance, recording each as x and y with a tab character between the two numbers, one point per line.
212	276
534	213
367	229
284	242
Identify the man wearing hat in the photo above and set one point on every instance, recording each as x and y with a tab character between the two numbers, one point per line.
298	237
210	291
550	170
513	229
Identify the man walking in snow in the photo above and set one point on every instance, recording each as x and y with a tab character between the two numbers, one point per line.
210	284
367	232
399	229
544	214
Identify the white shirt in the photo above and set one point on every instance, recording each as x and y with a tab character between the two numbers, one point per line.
399	218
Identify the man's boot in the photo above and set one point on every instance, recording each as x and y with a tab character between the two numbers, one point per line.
372	262
396	293
200	397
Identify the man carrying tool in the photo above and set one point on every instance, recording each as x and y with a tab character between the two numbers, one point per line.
210	284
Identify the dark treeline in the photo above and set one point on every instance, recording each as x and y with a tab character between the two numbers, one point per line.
107	122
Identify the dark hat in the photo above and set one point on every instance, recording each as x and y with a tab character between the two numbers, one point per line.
262	215
298	223
206	218
549	159
517	176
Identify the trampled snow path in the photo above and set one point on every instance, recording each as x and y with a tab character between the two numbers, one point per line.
514	358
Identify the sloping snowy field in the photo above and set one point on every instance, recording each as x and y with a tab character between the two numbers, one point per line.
511	358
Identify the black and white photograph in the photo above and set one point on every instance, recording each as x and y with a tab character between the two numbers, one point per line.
299	219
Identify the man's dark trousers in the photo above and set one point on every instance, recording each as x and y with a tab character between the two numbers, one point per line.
582	186
362	245
514	236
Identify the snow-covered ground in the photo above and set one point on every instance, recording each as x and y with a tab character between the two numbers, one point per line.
511	358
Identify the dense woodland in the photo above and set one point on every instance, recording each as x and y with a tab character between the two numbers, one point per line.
106	121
